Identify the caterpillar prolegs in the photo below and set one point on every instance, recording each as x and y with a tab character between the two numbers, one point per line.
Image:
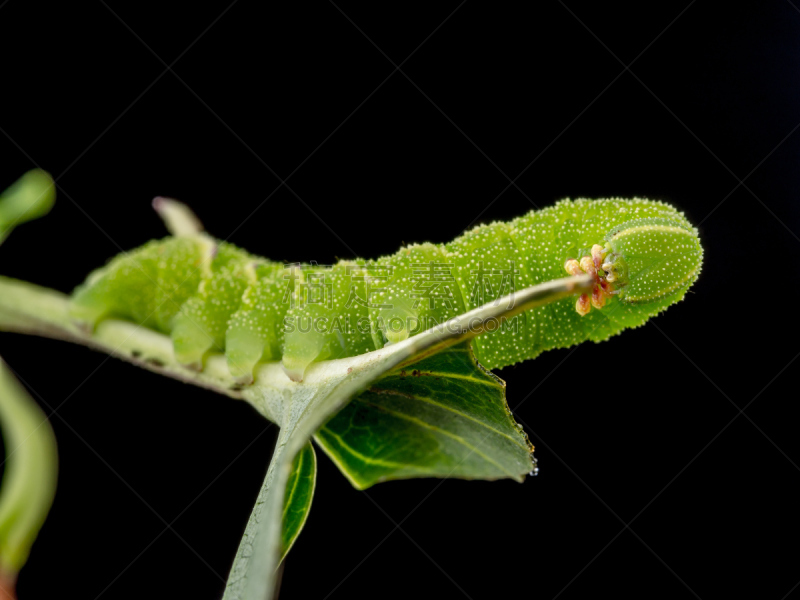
210	295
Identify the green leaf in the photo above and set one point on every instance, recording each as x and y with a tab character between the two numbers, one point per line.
298	496
30	477
445	416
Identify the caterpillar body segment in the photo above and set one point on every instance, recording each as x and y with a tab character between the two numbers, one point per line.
202	321
493	268
414	290
256	330
211	296
147	286
328	318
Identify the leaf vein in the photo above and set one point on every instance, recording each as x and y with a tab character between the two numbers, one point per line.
443	432
448	408
368	459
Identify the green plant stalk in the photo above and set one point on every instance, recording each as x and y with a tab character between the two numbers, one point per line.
31	472
31	459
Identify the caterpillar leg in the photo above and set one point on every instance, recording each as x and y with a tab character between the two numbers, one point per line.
245	345
397	323
255	332
330	318
190	341
306	338
303	346
201	324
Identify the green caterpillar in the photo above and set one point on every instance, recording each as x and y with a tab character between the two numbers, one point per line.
211	296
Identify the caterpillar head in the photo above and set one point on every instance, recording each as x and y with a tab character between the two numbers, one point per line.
644	261
655	258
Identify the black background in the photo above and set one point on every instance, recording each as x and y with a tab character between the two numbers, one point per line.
376	157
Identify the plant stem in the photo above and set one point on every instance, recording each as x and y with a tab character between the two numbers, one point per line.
30	309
